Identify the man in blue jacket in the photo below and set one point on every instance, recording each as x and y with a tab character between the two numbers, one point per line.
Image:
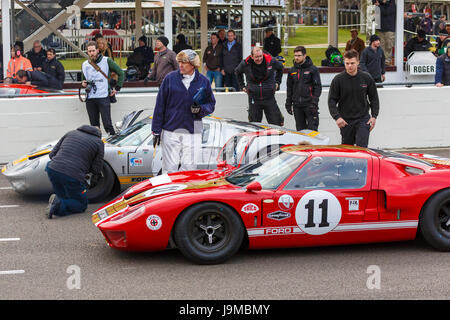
177	118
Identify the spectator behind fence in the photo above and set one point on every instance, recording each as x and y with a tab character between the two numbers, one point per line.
232	56
409	26
213	61
38	78
440	25
442	77
355	42
181	44
37	56
418	43
442	43
427	24
165	61
272	44
53	67
373	60
16	63
142	57
222	37
387	30
104	49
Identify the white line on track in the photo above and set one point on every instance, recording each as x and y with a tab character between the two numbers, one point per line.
9	239
9	206
12	272
6	188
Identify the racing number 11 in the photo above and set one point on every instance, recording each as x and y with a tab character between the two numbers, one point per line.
310	207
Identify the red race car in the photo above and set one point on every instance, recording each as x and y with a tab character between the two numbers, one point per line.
295	196
10	90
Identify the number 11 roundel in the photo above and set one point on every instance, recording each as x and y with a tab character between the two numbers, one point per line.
318	212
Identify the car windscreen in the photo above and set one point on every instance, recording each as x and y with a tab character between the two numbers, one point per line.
270	171
234	149
133	136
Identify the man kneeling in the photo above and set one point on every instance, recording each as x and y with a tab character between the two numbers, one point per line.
76	154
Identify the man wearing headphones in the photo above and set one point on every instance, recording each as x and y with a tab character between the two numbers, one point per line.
16	63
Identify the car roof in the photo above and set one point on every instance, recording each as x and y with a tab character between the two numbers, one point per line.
328	150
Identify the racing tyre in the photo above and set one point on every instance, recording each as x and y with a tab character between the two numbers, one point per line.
435	221
209	233
102	189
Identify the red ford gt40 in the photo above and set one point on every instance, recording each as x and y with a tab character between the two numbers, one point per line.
296	196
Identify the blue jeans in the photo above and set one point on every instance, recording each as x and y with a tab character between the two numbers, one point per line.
215	76
70	192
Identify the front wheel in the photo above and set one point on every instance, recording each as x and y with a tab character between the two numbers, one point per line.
209	233
435	221
102	189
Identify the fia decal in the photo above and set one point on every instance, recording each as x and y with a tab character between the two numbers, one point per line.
353	204
136	162
279	215
154	222
285	202
318	212
250	208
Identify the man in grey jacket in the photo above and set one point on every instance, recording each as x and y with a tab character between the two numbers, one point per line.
76	154
373	60
165	61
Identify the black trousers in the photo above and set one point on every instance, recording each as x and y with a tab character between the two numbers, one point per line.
356	132
100	106
306	117
270	109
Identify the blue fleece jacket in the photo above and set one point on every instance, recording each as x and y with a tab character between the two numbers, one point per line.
173	103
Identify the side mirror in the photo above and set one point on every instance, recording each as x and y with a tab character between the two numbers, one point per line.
254	186
221	165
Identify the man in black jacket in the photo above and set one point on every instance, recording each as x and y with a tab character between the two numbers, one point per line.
418	43
232	56
352	94
39	79
76	154
37	56
373	60
53	67
272	44
303	91
263	74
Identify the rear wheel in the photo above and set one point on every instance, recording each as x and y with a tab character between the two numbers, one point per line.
435	221
102	189
209	233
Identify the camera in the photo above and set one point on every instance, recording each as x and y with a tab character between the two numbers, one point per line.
90	86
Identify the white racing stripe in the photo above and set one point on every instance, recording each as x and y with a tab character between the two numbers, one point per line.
12	272
345	227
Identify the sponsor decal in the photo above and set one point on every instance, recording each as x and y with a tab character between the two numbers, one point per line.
318	212
285	202
136	162
250	208
353	203
280	230
154	222
279	215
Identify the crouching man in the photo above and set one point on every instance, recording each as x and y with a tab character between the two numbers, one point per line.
76	154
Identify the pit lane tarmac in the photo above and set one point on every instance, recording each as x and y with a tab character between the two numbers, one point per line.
67	258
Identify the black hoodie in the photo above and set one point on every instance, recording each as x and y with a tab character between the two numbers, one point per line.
79	152
303	85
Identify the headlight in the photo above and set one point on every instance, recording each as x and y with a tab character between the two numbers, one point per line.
33	163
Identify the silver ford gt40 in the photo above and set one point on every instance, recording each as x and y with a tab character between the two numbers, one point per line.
130	157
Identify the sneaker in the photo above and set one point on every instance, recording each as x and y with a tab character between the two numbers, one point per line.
53	205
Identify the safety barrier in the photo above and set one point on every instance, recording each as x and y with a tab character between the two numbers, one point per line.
409	117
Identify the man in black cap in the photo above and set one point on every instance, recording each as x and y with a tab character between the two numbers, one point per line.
419	43
165	61
272	44
373	60
142	58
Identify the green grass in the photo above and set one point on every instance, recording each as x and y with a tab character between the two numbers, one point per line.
304	36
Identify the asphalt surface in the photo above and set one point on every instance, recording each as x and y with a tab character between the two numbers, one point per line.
67	258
